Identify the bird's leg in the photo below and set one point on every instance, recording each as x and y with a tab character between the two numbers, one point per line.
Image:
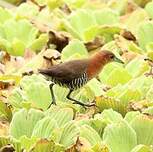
76	101
52	94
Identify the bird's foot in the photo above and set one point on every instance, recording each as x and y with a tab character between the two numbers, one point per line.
90	105
85	105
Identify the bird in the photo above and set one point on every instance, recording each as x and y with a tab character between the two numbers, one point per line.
76	73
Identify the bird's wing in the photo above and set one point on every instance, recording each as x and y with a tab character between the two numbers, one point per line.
66	71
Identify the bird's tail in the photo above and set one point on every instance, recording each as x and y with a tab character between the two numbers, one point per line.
43	71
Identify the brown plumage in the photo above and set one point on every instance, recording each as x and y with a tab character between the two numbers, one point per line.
76	73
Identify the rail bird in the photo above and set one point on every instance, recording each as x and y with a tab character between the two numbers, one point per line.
75	74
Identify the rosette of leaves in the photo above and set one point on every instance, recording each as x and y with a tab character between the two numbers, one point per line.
132	86
17	36
49	128
35	91
86	24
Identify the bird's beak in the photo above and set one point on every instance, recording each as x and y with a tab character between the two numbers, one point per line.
147	59
118	60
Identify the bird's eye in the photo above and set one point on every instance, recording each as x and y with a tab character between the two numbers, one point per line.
111	56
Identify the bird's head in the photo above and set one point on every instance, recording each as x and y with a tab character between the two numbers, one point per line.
108	56
99	60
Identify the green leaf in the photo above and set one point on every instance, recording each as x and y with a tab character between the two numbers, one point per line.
111	116
5	45
38	92
118	76
141	3
142	83
4	15
144	33
149	9
69	134
119	6
74	48
95	86
149	49
26	10
106	16
16	97
68	27
149	94
52	4
17	35
91	33
100	148
103	76
15	78
21	30
90	134
35	63
131	115
62	116
4	140
143	124
44	128
129	95
115	91
16	144
134	67
142	148
44	145
103	102
26	142
75	3
18	48
98	124
41	2
108	32
24	121
139	16
80	22
39	43
135	48
120	137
